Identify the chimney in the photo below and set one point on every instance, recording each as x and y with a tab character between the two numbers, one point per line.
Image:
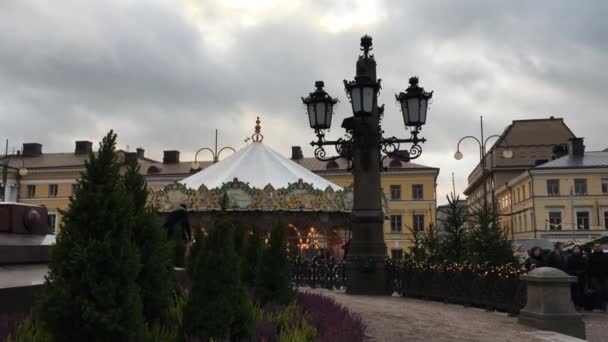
32	149
140	152
577	147
130	158
170	157
296	153
83	147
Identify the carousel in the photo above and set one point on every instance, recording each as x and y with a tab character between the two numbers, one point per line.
258	187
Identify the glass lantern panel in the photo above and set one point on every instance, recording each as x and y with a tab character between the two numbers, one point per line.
330	111
413	106
423	108
406	119
355	97
368	99
311	115
321	114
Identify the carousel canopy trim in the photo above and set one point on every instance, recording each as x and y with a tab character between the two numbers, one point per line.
259	166
240	196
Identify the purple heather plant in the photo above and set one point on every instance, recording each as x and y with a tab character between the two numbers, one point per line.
332	320
9	324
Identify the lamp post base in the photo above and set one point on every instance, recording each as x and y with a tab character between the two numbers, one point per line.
367	276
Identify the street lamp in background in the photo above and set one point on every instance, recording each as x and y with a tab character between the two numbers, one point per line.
507	154
364	149
215	153
5	160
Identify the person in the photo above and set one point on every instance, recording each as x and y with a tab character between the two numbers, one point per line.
557	259
535	260
598	275
576	266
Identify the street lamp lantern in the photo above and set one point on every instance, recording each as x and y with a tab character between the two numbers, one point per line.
458	155
23	172
362	93
414	104
320	107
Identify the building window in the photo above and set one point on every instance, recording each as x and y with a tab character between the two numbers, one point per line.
395	192
31	191
75	188
555	220
396	224
52	222
606	219
580	187
52	190
518	196
526	222
582	219
605	186
553	187
523	192
418	222
417	192
397	254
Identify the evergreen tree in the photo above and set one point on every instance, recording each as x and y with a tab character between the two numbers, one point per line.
454	241
219	307
431	244
416	237
197	247
90	292
252	259
273	283
178	246
157	279
486	241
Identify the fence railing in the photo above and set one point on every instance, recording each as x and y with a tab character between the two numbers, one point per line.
492	288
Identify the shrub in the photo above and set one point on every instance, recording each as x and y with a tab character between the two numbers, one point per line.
252	258
218	307
28	331
91	290
273	283
278	322
332	320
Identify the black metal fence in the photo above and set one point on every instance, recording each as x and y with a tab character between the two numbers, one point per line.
492	288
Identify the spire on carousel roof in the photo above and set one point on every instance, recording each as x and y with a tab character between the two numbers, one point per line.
257	136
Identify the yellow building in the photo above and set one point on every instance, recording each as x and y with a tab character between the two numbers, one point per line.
562	200
410	189
52	179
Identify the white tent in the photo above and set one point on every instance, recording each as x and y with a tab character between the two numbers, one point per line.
258	165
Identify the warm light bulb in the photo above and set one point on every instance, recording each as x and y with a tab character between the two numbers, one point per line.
458	155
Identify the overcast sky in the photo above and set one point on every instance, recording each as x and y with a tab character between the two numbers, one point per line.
164	74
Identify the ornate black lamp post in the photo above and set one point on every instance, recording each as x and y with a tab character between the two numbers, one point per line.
362	148
215	153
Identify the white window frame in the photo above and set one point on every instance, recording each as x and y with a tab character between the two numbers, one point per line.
582	210
400	226
54	228
561	214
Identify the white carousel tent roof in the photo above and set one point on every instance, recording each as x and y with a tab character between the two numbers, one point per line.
258	165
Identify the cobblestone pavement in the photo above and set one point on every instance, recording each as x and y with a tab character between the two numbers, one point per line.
404	319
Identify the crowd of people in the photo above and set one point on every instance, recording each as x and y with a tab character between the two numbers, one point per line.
591	290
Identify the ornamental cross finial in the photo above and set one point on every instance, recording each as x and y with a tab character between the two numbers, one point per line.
257	136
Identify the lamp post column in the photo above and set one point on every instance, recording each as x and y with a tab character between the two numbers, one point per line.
367	254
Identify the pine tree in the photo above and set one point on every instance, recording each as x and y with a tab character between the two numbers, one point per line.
454	241
219	307
90	292
486	241
273	283
157	279
197	247
431	244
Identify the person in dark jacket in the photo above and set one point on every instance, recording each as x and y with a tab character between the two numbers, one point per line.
535	260
557	259
576	265
598	275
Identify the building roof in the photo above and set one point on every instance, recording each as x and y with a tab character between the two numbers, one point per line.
591	159
258	165
340	165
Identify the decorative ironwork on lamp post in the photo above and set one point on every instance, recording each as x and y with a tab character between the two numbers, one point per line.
364	148
507	154
215	153
5	160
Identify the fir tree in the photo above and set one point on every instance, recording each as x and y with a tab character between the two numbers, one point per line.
157	279
219	307
454	240
431	244
252	258
273	283
90	292
486	241
197	247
